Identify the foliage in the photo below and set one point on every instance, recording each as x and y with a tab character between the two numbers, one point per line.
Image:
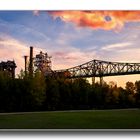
28	93
23	94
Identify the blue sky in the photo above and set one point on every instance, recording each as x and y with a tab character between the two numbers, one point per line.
68	42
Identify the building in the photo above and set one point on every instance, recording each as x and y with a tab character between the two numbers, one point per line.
8	67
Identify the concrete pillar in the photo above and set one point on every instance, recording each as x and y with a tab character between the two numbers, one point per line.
93	80
101	81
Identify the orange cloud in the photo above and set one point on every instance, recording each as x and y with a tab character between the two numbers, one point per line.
106	20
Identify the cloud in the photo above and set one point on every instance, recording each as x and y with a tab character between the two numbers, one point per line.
36	13
64	55
70	57
22	31
13	49
107	20
117	46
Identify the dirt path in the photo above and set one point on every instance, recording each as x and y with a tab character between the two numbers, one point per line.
20	113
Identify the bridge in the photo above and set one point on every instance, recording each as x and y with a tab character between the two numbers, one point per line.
99	68
93	68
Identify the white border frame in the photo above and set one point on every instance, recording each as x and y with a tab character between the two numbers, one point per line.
69	4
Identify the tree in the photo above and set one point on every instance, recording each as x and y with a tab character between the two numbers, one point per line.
122	98
38	89
21	75
137	96
130	90
52	94
65	93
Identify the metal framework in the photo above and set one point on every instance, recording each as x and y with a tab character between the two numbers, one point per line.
98	68
43	63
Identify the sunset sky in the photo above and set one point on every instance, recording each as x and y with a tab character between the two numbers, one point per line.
72	37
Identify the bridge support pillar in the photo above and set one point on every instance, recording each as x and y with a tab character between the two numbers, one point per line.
93	80
101	81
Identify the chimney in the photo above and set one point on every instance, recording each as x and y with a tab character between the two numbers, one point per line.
25	58
31	62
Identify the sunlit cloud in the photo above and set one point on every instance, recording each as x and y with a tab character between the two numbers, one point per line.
107	20
117	46
71	57
13	49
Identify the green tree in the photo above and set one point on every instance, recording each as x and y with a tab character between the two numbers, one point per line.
38	89
21	75
130	90
52	94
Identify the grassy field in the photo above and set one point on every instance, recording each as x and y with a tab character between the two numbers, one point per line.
96	119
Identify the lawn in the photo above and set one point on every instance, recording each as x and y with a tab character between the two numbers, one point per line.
96	119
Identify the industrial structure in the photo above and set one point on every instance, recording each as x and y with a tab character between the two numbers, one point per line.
31	62
41	62
25	58
94	68
8	67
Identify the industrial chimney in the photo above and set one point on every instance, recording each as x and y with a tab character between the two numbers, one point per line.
31	62
25	58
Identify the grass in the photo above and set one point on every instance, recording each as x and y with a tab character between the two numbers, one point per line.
98	119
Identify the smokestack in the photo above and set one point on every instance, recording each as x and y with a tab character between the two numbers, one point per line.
31	62
25	58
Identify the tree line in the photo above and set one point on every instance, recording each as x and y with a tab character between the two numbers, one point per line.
39	93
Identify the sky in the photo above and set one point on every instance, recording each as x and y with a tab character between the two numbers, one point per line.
72	37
